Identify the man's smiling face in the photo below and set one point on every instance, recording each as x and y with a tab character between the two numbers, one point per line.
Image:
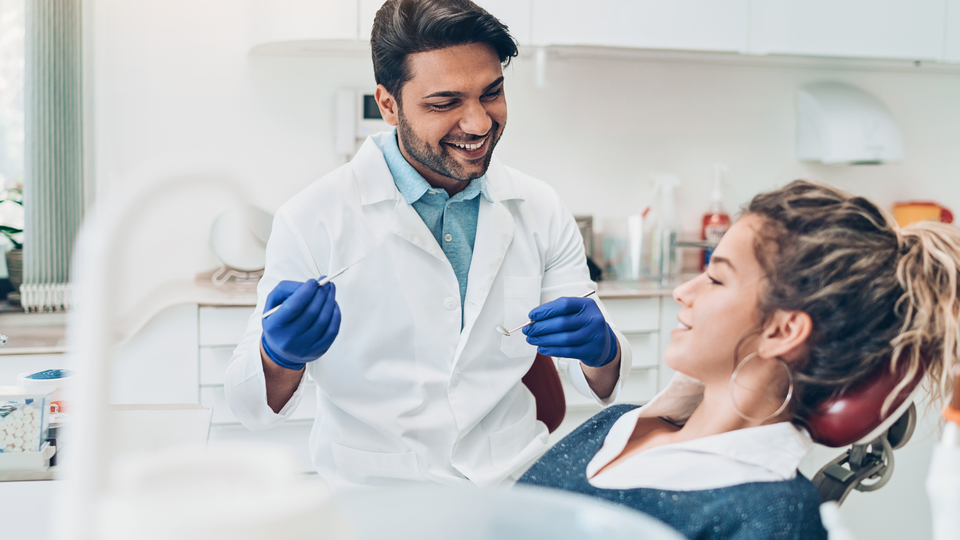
452	113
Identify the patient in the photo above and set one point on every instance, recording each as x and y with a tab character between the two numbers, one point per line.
810	292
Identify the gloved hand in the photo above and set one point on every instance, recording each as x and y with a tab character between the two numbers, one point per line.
572	328
305	325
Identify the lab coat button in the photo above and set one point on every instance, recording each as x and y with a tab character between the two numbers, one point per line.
455	378
450	304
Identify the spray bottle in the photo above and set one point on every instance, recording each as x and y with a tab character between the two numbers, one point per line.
664	231
716	221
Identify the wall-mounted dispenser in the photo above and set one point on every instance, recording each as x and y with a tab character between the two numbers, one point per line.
842	124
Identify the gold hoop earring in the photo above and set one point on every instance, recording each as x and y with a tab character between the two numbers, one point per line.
783	406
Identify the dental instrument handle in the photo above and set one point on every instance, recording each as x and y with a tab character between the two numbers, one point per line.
320	283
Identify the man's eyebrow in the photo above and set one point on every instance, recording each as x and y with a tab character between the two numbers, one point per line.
451	94
724	260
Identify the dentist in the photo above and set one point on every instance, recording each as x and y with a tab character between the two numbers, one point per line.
414	383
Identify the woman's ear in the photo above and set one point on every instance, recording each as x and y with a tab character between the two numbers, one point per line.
785	335
389	108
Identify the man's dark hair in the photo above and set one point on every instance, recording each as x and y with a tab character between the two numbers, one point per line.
405	27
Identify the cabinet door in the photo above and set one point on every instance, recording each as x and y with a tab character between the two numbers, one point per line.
952	46
852	28
273	21
368	9
513	13
706	25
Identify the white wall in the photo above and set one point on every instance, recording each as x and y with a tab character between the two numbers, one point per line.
174	92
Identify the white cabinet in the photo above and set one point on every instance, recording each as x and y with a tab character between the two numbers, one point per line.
883	29
513	13
952	46
706	25
516	14
893	29
280	21
368	9
219	330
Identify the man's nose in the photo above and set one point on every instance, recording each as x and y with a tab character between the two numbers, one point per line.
475	119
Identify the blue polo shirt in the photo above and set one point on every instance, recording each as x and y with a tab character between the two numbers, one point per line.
451	220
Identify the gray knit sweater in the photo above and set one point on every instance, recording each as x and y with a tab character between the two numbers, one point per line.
783	510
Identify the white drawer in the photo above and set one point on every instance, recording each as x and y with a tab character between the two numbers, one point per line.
213	364
644	348
294	436
634	314
641	386
214	398
223	325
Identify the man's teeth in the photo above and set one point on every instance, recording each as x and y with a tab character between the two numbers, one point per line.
682	326
470	147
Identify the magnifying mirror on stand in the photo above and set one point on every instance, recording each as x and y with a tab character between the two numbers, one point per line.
238	238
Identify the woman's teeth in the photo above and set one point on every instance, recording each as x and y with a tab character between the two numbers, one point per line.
682	326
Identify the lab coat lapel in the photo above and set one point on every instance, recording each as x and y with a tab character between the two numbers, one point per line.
375	184
408	225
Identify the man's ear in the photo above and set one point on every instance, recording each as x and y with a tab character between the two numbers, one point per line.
389	108
785	335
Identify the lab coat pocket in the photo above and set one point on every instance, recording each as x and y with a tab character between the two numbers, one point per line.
507	444
358	465
520	295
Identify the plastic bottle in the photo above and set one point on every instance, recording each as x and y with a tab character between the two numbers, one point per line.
664	231
716	222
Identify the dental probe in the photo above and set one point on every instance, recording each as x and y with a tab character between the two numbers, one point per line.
320	283
506	332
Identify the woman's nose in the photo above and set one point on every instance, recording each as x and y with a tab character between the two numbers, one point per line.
475	119
685	292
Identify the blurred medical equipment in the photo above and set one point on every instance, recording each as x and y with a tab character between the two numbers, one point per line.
323	281
832	522
238	238
523	512
55	382
943	480
854	418
506	332
24	418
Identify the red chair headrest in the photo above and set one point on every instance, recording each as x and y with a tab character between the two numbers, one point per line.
854	417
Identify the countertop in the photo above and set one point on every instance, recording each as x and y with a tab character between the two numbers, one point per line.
45	333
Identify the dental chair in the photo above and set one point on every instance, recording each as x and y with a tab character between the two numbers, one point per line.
851	420
543	381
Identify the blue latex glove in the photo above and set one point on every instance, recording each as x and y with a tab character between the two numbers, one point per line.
572	328
305	325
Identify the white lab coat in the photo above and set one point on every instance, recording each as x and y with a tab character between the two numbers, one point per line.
404	394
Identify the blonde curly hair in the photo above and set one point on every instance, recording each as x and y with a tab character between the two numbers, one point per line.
877	295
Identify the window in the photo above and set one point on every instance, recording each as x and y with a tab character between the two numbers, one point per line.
12	31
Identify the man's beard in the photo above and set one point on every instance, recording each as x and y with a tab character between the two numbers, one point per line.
439	159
